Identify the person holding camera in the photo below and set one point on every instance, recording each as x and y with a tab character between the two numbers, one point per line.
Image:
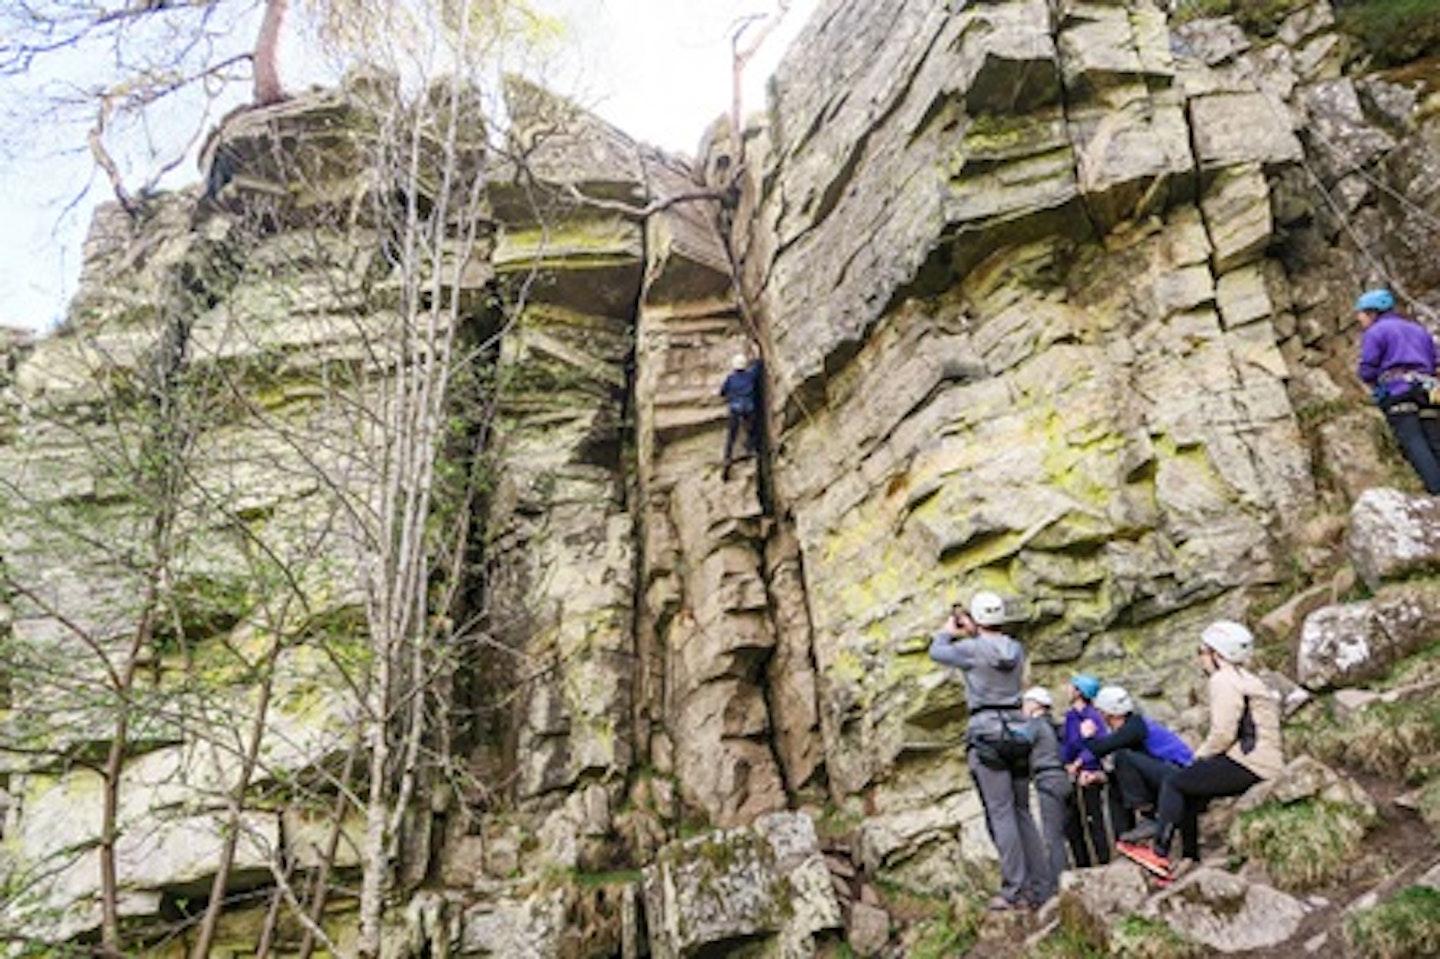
998	743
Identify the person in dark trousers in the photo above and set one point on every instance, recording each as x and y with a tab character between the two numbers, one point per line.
1143	752
1397	362
741	391
1085	813
993	665
1052	786
1243	747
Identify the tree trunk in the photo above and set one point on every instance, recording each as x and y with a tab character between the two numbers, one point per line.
236	801
267	54
114	762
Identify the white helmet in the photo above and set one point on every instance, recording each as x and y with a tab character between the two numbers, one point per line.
987	608
1041	695
1230	640
739	362
1114	701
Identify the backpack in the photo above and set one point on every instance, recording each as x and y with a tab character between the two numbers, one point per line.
1008	748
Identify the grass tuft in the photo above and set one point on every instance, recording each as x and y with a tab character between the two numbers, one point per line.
1406	926
1302	845
952	931
1430	804
1140	937
1400	740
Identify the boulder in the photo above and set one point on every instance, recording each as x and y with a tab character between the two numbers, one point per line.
1343	645
1307	778
504	926
1394	535
868	929
1093	900
1227	913
1232	128
735	886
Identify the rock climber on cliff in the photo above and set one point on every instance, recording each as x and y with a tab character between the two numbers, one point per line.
1397	361
741	391
998	743
1242	748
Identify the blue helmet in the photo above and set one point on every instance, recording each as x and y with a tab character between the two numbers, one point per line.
1375	301
1086	685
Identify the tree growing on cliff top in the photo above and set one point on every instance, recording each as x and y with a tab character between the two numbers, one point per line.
389	462
142	79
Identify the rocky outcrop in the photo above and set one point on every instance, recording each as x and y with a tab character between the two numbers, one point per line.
1226	913
1392	547
1341	645
1052	298
1044	316
1207	908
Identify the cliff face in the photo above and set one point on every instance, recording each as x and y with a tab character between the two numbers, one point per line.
1053	299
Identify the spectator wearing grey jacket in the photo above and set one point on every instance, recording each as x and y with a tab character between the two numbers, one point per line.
993	665
1052	785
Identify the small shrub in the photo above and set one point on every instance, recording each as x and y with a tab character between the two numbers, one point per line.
1388	32
1303	845
1257	17
1405	926
1391	32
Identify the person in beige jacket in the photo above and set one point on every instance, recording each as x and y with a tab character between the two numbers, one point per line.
1242	748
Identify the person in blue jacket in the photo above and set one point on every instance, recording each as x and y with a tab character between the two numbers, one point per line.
1085	830
1143	751
1397	362
741	391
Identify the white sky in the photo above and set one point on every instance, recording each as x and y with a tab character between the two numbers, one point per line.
657	69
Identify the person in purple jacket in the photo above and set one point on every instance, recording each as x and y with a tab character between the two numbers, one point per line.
1397	362
1144	753
1085	831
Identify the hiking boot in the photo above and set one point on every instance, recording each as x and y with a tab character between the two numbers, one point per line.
1143	832
1001	904
1146	858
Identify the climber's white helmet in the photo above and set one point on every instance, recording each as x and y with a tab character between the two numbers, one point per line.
1114	701
1041	695
987	608
1232	641
739	362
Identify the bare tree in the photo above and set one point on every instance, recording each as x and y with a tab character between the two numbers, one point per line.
267	53
391	429
746	38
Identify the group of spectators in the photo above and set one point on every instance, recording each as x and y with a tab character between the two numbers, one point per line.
1104	768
